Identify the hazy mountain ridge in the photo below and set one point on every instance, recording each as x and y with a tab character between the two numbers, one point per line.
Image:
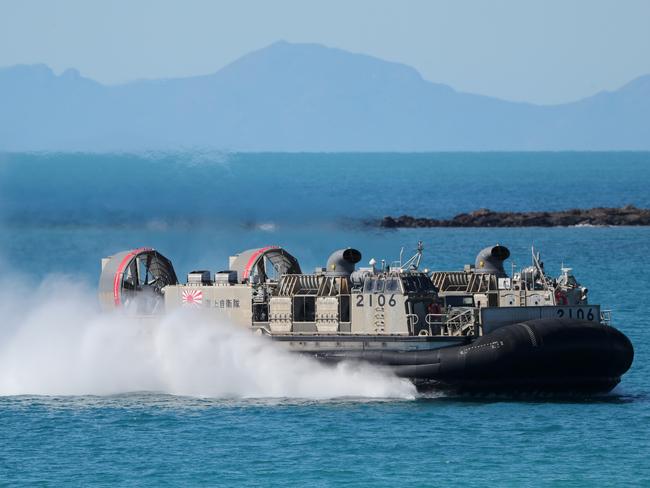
304	97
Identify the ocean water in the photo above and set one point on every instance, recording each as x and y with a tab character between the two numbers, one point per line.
87	399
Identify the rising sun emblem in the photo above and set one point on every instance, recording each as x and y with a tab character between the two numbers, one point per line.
192	297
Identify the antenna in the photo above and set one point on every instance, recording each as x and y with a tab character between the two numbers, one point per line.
545	279
414	262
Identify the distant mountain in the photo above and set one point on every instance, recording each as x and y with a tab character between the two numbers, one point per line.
304	97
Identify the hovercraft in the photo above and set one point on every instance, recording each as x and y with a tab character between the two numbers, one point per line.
476	329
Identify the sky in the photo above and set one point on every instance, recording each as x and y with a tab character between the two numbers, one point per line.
543	52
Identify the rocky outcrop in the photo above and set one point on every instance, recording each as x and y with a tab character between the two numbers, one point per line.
628	215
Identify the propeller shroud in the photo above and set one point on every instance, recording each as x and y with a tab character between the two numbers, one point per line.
134	280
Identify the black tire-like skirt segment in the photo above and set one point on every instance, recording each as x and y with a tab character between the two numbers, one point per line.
546	355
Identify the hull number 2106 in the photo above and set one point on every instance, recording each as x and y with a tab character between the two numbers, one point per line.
380	299
580	313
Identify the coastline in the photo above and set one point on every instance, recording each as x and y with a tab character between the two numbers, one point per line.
628	215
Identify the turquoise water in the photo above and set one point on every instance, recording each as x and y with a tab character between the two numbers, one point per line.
88	422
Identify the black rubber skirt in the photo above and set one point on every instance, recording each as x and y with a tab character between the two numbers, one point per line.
555	355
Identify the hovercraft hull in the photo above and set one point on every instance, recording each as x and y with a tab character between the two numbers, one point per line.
550	355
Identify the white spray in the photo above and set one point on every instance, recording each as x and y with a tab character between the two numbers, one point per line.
53	341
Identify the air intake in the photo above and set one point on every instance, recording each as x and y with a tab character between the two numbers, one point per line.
341	262
490	260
